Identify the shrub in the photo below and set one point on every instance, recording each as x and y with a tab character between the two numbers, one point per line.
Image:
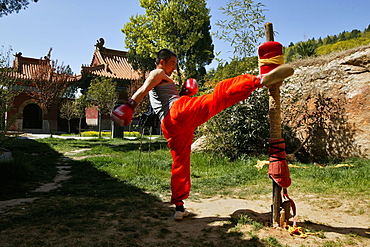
241	129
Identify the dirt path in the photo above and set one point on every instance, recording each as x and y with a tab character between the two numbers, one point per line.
336	224
62	175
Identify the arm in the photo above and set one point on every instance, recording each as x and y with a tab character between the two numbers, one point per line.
155	77
123	114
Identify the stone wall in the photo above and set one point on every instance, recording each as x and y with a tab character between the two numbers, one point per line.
326	103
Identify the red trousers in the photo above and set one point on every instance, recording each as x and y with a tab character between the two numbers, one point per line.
186	114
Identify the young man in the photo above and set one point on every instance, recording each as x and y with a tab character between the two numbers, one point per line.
181	115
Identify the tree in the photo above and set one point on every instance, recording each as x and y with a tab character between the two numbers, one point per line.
80	105
242	128
102	94
67	111
7	93
306	49
48	85
10	6
180	25
244	28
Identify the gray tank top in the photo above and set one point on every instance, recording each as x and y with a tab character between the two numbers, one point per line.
162	97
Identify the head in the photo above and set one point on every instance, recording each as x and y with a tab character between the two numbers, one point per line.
166	60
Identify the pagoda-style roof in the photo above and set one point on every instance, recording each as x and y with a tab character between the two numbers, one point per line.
26	68
111	64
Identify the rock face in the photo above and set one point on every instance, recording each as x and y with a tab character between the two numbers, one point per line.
326	103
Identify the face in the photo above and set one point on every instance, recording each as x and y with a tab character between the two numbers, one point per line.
169	66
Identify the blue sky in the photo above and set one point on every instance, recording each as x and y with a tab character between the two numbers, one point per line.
71	27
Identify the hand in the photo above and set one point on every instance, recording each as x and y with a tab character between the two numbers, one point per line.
189	88
122	115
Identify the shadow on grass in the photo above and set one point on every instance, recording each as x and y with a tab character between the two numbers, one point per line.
33	163
94	209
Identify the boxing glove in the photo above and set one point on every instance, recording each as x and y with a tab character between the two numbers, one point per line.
122	115
189	88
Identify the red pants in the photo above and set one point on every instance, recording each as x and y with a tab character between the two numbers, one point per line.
186	114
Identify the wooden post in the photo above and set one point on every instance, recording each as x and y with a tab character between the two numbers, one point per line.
275	133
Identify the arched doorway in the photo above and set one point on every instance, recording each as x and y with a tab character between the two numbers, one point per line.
32	117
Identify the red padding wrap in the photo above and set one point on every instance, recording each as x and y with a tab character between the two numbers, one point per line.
268	50
278	167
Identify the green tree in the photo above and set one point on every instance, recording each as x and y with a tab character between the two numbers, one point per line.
67	112
80	105
320	42
8	91
180	25
306	49
10	6
244	28
367	29
102	94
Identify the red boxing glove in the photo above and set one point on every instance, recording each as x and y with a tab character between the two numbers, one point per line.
189	88
122	115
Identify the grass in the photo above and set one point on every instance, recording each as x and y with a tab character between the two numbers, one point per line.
115	181
150	169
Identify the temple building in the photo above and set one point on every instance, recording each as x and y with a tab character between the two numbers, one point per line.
105	63
30	116
111	64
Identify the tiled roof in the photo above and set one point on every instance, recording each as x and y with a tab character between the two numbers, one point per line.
111	64
27	68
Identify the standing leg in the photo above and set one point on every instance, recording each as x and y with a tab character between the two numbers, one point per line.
180	147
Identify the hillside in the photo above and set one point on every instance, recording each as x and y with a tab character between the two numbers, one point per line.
327	103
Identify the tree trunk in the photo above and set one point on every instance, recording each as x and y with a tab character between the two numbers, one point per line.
79	127
50	132
99	123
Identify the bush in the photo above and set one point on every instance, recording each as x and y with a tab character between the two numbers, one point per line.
240	130
109	134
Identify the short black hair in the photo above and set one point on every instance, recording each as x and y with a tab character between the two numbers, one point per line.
164	54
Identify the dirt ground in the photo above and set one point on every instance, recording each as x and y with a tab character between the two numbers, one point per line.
345	222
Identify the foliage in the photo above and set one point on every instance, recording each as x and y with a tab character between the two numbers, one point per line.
102	94
241	129
80	105
342	45
234	68
109	134
343	41
180	25
306	49
10	6
8	91
245	27
67	111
